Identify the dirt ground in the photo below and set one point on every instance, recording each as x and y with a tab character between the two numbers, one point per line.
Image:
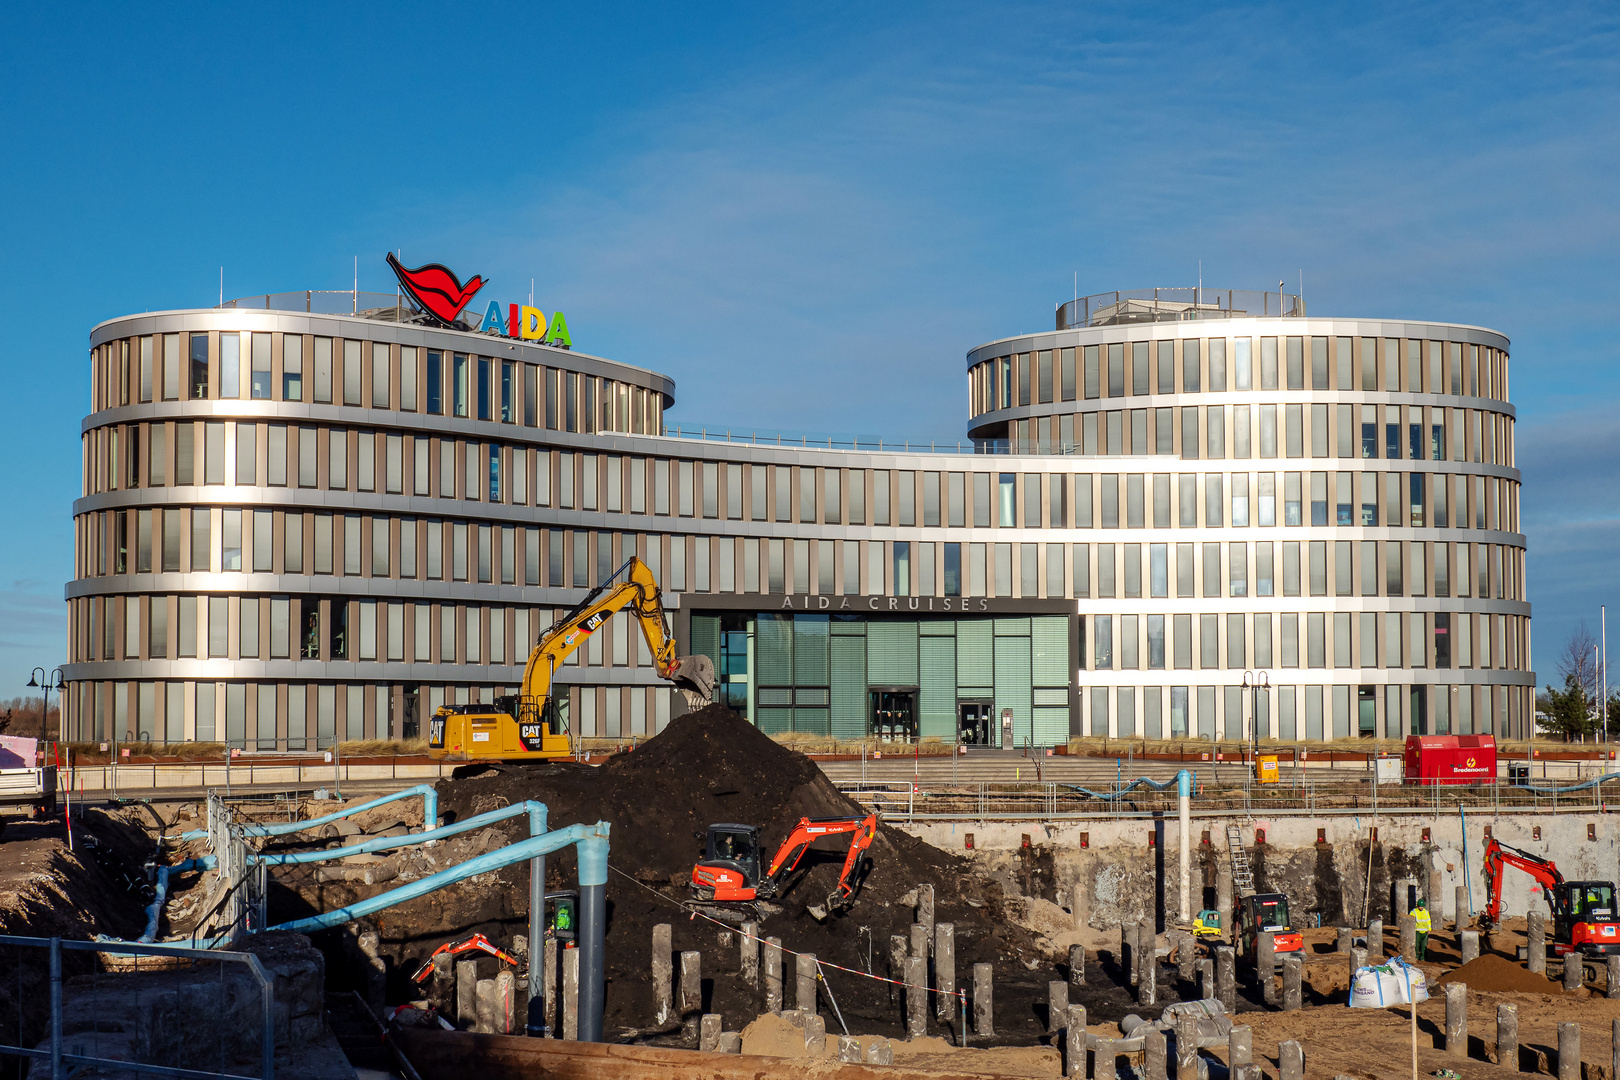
97	887
708	767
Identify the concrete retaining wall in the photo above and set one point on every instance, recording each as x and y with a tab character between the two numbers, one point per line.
1115	878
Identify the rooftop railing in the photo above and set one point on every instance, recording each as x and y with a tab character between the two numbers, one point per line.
812	441
387	307
1176	305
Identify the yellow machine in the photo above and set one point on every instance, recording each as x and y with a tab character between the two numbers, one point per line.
532	725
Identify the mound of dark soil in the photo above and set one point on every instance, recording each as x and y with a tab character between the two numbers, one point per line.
706	767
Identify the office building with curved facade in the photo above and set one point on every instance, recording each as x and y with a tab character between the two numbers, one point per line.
297	526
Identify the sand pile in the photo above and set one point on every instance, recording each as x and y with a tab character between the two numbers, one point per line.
774	1036
1497	974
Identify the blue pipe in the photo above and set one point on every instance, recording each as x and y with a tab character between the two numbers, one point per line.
592	871
1548	789
537	825
1180	783
385	843
155	908
430	815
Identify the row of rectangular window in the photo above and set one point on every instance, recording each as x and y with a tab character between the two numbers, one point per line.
309	716
272	367
1311	712
271	541
227	540
1313	639
342	460
328	628
1200	365
1216	432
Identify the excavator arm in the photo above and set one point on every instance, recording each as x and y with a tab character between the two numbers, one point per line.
807	832
1498	856
455	731
693	675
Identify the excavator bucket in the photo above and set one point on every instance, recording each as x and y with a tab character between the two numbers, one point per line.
694	677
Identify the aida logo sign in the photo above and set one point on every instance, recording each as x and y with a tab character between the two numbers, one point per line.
437	290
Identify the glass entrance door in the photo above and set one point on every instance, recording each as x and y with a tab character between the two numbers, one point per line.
973	728
894	714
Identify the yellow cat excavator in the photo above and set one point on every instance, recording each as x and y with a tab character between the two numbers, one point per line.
532	724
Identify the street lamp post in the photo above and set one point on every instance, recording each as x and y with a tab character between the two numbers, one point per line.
41	680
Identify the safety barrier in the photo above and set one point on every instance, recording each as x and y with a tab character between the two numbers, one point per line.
63	1062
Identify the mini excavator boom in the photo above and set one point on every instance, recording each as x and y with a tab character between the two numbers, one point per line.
730	869
1583	911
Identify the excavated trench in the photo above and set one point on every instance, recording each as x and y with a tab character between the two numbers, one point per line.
711	766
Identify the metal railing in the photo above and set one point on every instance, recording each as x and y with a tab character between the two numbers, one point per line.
1218	792
812	441
230	773
65	1059
381	305
1176	305
824	441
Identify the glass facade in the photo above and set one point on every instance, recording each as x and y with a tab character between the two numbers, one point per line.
398	536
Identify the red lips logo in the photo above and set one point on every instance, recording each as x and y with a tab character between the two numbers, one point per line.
435	289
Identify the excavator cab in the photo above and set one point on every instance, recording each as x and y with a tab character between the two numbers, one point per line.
730	866
1583	918
1261	913
730	870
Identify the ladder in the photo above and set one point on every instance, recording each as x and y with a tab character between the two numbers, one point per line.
1242	874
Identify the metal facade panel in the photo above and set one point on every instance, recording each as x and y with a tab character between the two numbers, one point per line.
810	642
1013	687
936	713
848	686
891	653
1049	650
975	660
812	721
706	638
775	721
773	649
1051	725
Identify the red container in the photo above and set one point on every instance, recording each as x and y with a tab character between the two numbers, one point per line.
1450	759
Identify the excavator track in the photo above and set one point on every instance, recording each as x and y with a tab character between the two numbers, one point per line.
734	912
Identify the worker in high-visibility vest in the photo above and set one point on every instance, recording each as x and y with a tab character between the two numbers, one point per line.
1420	916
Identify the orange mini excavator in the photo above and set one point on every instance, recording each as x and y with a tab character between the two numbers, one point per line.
730	870
1583	911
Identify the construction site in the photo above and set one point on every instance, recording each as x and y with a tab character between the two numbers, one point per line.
711	902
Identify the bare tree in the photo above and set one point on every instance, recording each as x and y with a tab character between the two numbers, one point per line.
1578	660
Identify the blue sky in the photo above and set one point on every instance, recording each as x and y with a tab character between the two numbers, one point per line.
807	215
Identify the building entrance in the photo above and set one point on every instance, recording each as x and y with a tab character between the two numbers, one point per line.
894	712
973	727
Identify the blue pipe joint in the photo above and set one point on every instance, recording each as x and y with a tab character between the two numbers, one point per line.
1183	784
430	808
593	856
537	818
